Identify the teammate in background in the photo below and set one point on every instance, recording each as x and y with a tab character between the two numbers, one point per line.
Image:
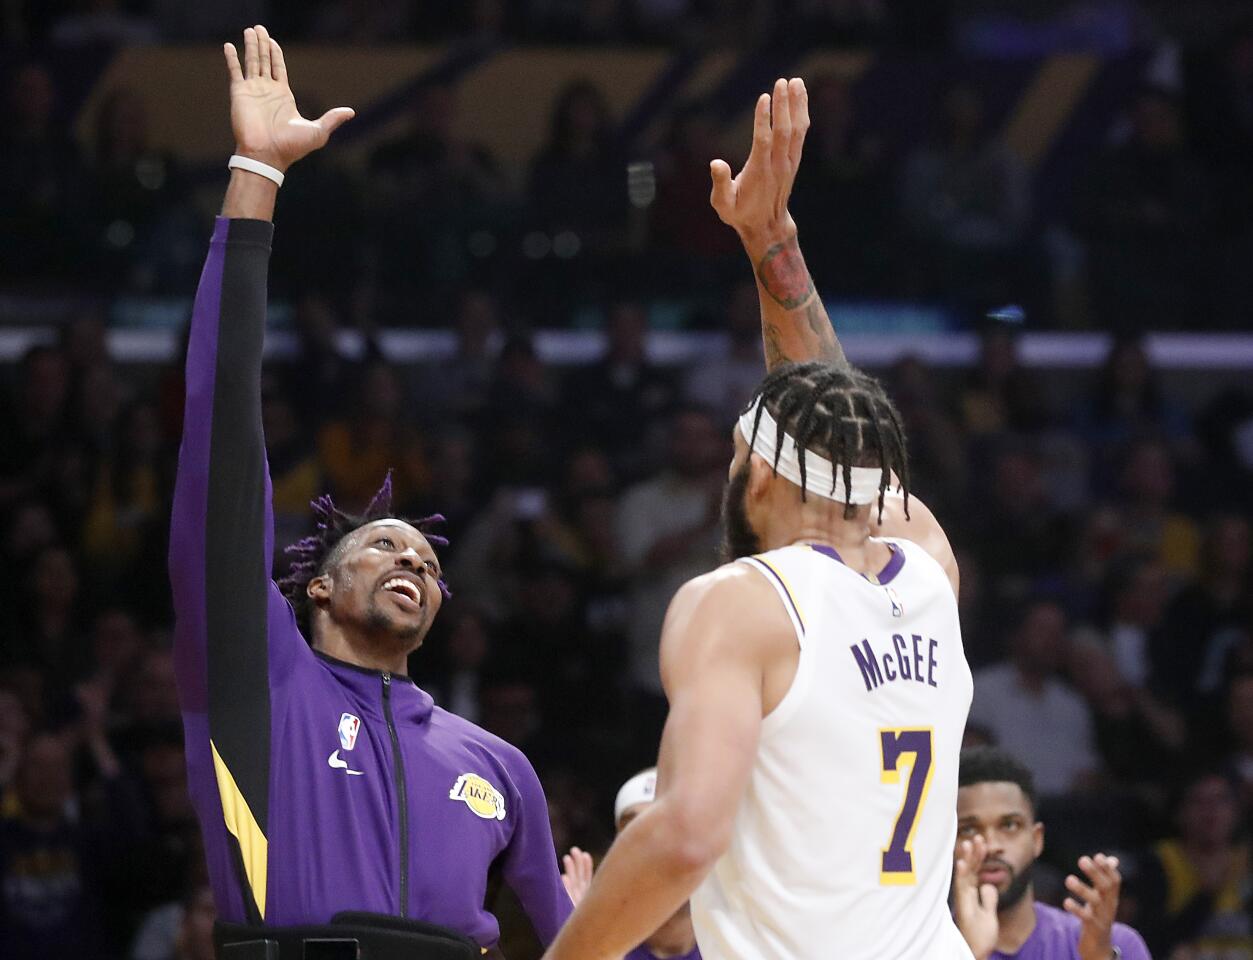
675	939
998	842
324	779
817	683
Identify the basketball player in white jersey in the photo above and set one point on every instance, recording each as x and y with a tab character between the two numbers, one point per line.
818	686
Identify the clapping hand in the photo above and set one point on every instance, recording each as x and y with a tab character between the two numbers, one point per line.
1095	903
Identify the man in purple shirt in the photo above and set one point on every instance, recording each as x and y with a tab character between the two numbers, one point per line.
326	782
998	842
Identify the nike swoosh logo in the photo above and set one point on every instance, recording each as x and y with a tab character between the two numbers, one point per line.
336	763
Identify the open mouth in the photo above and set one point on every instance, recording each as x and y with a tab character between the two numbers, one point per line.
405	591
994	875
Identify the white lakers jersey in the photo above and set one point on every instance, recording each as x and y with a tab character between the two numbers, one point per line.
843	844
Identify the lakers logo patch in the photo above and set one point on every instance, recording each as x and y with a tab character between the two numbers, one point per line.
479	795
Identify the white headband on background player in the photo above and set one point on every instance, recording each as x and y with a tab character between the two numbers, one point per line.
641	788
819	471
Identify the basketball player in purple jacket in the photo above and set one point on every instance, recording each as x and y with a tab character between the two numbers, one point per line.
325	780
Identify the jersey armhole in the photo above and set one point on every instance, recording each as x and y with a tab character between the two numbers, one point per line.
775	719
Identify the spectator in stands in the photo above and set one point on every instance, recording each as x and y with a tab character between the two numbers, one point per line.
48	902
1195	898
619	397
41	183
1030	711
143	232
458	386
681	221
966	201
1128	403
1240	734
845	184
178	931
1147	218
103	23
1148	520
576	180
14	729
1206	618
723	384
49	633
1000	394
32	422
355	450
668	527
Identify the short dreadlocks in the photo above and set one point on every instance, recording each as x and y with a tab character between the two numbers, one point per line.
838	412
316	554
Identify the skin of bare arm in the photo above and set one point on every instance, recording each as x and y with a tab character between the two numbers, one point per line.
795	326
722	633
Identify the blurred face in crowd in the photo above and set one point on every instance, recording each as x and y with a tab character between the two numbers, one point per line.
467	643
195	934
382	587
1208	814
695	446
165	773
153	689
1040	642
44	782
1001	813
510	710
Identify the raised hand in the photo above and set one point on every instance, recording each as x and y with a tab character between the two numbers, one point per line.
975	905
576	874
755	201
267	125
1096	906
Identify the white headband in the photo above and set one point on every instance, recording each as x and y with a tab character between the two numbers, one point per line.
821	477
641	788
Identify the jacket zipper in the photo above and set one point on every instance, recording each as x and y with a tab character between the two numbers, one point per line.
398	772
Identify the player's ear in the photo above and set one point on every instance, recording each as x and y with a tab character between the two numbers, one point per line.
319	589
760	473
1037	837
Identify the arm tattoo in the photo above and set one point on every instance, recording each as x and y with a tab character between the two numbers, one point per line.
829	348
784	276
775	354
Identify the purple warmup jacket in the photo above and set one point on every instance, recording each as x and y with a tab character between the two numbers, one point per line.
320	786
1056	937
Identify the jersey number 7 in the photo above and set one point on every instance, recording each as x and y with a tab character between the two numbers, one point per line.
912	749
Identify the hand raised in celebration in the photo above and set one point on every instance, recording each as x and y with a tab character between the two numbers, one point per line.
755	201
975	905
1096	906
576	874
267	125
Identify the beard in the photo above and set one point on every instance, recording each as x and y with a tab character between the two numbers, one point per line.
387	631
739	539
1019	884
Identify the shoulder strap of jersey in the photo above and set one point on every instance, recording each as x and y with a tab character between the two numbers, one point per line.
768	565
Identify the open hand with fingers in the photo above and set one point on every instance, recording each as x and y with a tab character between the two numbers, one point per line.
754	202
576	873
974	905
1095	903
267	125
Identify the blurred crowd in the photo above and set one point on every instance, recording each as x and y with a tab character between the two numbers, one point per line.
1144	223
1101	520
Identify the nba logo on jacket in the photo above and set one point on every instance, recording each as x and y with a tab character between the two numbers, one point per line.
348	727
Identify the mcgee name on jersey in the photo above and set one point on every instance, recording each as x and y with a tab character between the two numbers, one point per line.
905	662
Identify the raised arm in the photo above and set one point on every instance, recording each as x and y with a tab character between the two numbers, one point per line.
794	322
233	628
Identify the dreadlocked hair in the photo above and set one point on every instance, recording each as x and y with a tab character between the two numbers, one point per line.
312	556
838	412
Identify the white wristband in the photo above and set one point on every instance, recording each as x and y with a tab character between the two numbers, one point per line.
255	166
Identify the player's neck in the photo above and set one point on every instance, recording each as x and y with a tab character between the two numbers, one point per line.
1016	924
336	643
